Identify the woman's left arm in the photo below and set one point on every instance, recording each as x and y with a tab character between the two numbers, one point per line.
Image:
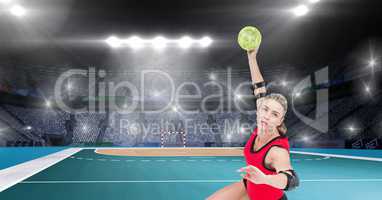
285	179
280	161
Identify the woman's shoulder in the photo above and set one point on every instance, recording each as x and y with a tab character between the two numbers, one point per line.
279	142
282	142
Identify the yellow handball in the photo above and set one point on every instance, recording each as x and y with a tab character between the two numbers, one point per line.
249	38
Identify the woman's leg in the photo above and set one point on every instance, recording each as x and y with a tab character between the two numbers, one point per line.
235	191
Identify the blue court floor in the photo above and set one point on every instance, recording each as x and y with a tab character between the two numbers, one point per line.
87	175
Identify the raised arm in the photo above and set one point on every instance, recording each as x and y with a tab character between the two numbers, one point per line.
256	76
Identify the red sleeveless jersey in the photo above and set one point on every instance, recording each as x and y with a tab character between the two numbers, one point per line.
257	159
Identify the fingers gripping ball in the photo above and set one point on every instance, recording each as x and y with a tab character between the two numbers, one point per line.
249	38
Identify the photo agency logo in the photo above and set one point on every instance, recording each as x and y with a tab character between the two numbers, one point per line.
169	100
319	83
103	94
228	130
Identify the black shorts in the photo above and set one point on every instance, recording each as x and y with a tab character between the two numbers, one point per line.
284	197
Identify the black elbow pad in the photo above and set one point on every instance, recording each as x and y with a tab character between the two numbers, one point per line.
293	180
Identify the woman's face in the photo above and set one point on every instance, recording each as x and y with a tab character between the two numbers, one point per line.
270	115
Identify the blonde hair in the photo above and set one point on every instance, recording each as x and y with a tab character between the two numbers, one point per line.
284	103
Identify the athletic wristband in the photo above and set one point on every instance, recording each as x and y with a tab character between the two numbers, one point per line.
258	85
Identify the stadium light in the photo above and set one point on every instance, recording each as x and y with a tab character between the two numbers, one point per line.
48	103
28	128
238	96
185	42
135	42
159	43
212	76
372	62
113	41
352	128
69	86
367	89
300	10
314	1
17	11
284	83
205	42
229	136
5	1
305	139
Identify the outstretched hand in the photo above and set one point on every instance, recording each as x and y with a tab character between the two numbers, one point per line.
253	174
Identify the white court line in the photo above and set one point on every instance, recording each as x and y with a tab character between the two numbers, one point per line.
158	181
342	180
15	174
160	160
202	157
241	148
327	156
195	181
99	148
